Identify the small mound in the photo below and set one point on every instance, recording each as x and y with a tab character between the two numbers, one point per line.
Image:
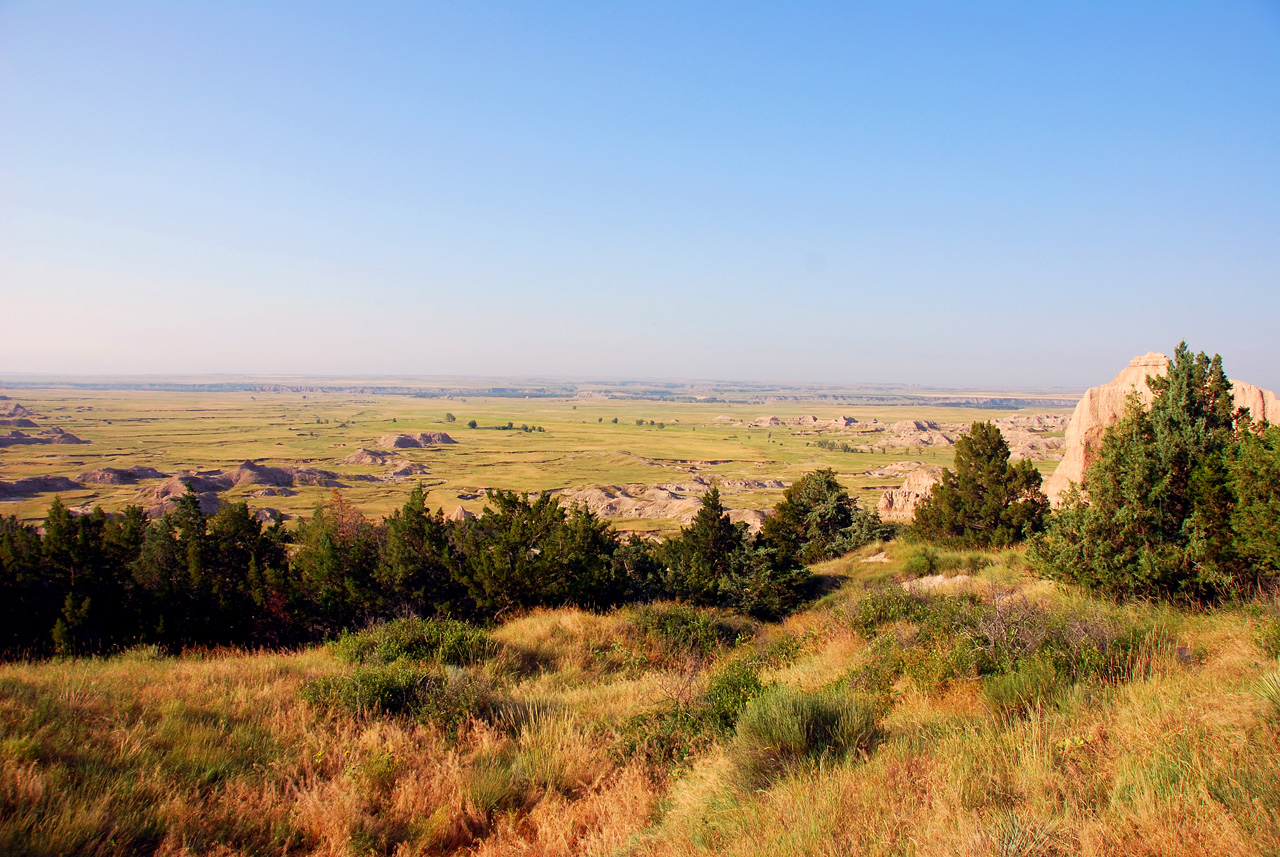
414	441
252	473
369	457
119	476
404	471
33	485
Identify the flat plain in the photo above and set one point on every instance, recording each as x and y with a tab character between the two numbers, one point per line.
573	441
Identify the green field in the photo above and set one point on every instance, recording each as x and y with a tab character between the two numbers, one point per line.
581	445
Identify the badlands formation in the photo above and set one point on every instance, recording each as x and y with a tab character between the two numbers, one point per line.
1103	406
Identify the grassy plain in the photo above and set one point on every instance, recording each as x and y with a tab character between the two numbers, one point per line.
581	444
218	753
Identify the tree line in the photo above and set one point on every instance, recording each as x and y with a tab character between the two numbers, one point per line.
1181	501
97	582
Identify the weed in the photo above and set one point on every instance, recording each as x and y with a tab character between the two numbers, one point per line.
443	696
1029	684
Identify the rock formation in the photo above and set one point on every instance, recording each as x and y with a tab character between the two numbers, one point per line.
120	476
899	504
368	457
414	441
55	435
33	485
1103	406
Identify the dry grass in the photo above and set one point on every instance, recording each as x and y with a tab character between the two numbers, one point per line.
217	754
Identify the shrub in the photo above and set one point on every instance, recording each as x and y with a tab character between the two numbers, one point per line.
784	727
935	639
683	630
445	697
443	641
988	501
1158	517
816	520
729	691
679	730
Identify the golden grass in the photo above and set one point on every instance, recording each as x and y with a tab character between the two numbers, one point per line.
217	754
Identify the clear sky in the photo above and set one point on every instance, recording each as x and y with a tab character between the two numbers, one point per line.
956	194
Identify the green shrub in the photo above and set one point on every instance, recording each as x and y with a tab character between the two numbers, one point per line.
443	641
936	638
728	692
784	727
674	733
445	697
921	562
668	735
692	631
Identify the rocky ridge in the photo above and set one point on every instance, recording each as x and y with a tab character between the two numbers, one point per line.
1104	405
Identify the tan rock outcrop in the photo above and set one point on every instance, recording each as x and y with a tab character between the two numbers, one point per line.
899	504
1103	406
414	441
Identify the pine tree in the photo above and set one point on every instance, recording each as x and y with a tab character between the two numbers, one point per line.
987	501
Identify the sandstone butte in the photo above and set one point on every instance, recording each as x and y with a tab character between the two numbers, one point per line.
1102	406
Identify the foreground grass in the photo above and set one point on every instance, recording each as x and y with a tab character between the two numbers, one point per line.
616	734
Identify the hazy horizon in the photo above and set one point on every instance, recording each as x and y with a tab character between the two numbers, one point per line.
987	197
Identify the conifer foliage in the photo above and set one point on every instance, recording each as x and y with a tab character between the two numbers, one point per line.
97	582
1181	501
987	501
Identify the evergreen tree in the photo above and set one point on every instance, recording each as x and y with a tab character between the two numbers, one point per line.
987	501
817	520
699	561
1255	519
1156	510
336	565
417	573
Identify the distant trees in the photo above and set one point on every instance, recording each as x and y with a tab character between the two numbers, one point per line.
987	501
1182	500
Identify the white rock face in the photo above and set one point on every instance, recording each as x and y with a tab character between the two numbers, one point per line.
1103	406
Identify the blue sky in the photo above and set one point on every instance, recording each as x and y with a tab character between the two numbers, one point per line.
945	194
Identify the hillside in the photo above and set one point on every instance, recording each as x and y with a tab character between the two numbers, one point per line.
1052	723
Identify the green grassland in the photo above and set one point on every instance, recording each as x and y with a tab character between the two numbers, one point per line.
581	445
